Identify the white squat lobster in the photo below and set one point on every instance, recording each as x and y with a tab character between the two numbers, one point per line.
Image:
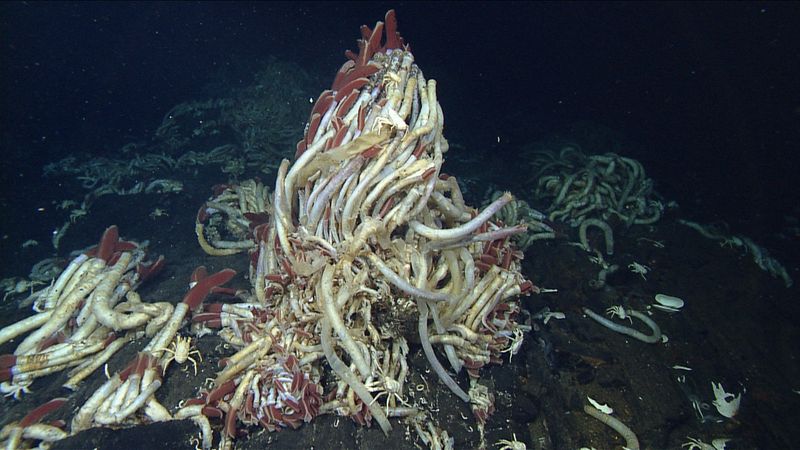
620	312
511	445
388	386
181	351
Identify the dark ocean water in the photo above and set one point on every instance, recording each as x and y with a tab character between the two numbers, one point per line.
704	95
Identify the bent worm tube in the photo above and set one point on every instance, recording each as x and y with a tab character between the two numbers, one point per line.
636	334
631	441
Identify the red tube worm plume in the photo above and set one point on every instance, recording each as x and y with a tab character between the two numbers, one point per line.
37	414
199	273
7	363
211	412
230	423
199	400
218	189
109	339
203	286
107	243
260	234
313	125
393	38
256	219
301	147
370	42
109	247
353	74
217	394
322	104
8	360
202	214
147	271
56	338
230	292
211	319
125	246
362	416
214	307
527	287
355	84
137	365
371	152
347	103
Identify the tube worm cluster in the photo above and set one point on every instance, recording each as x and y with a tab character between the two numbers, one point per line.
363	242
89	312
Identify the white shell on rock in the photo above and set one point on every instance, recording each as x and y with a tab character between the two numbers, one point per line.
668	303
669	300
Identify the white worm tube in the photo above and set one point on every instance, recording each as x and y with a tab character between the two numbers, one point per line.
23	326
465	229
607	233
83	419
428	349
404	285
631	441
65	308
636	334
334	319
347	376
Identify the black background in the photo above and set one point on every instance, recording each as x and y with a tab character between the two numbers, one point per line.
708	90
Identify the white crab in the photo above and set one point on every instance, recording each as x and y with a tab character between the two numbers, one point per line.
391	122
515	342
11	286
181	351
511	445
618	311
697	444
75	214
66	204
158	212
386	385
641	269
391	80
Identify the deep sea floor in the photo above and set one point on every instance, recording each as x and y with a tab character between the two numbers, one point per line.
735	328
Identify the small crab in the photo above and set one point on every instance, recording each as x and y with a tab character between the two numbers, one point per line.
386	385
158	212
653	242
66	204
515	342
619	311
732	241
697	444
11	286
391	79
181	352
30	243
391	121
641	269
511	445
75	214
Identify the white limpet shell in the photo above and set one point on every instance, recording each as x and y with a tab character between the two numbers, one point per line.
668	303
